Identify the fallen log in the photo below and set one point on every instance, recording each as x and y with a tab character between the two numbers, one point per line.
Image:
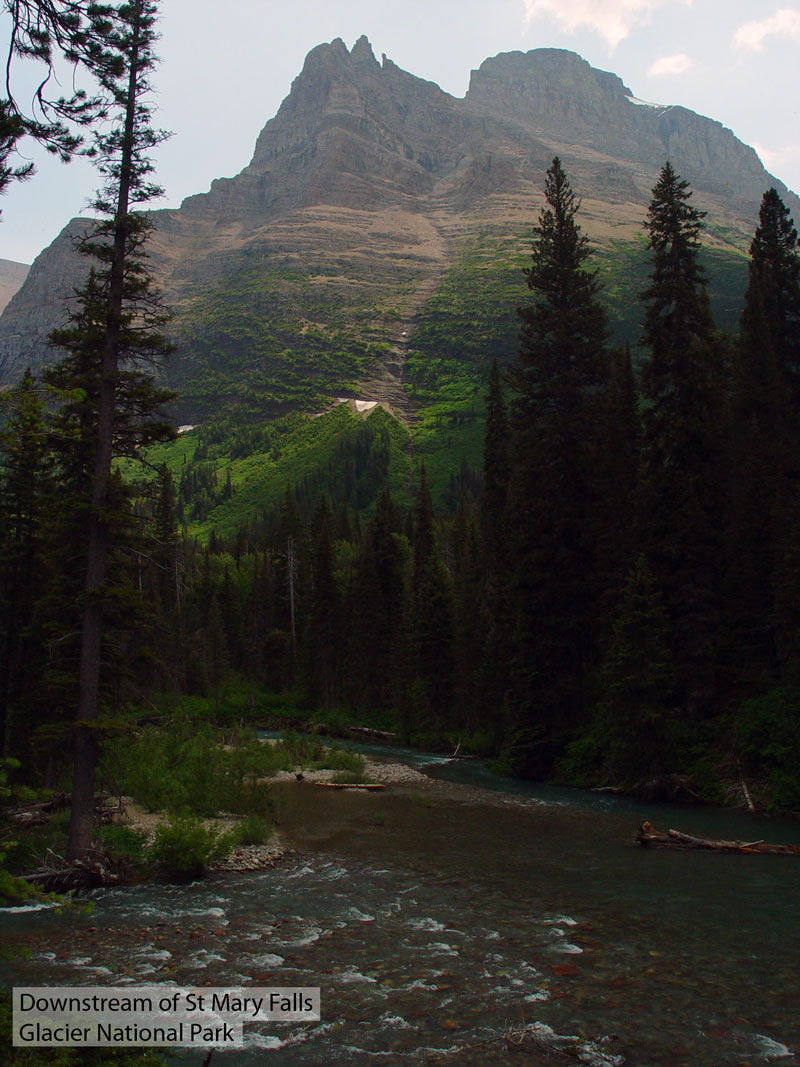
369	786
649	837
56	875
376	735
39	812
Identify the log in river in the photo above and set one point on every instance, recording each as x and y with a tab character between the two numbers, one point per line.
648	836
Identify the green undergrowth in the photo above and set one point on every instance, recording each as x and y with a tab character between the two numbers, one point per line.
469	320
274	335
240	701
767	731
194	768
227	475
183	848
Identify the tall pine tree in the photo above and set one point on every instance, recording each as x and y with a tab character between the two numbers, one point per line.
680	497
117	328
765	456
557	379
26	487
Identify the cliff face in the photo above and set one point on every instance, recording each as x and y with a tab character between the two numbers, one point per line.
12	275
41	302
558	96
363	192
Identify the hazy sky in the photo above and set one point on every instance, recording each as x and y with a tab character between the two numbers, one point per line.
226	67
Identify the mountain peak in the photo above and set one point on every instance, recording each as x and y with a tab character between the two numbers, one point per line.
547	81
362	55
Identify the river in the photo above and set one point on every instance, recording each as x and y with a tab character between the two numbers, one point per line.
434	921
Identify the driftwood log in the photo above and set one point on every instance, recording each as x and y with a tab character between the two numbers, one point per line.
40	811
649	837
375	735
57	875
106	808
370	787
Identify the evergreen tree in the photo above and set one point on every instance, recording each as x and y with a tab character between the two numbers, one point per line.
616	478
471	701
389	567
25	492
216	660
291	570
680	498
117	328
764	448
758	447
425	643
375	609
496	475
365	629
635	727
165	553
772	301
322	643
423	528
557	380
495	547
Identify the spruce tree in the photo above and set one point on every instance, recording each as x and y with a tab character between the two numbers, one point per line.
425	645
556	379
764	482
26	488
376	608
364	630
291	571
496	475
322	643
389	564
773	292
116	329
495	547
165	553
680	514
423	527
472	702
635	729
616	477
758	450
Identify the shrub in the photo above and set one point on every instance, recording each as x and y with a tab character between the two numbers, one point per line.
183	848
125	842
349	778
188	770
254	830
339	759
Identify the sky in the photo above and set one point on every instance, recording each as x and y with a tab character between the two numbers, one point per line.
225	68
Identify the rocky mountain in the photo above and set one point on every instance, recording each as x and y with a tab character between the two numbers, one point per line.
372	246
12	275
